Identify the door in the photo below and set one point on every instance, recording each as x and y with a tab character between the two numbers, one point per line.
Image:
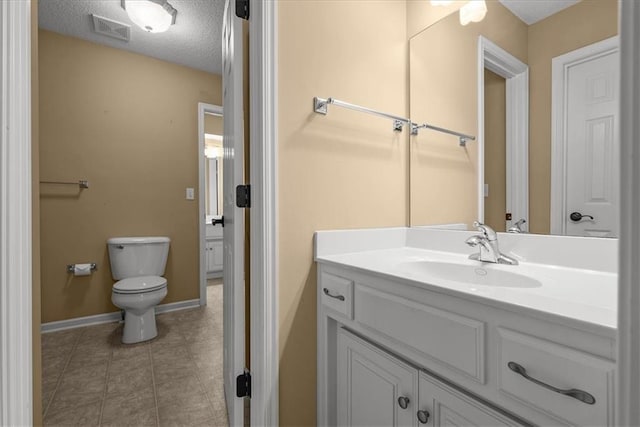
373	387
233	241
443	406
592	143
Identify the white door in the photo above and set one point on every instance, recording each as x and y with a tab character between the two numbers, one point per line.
592	143
233	246
374	388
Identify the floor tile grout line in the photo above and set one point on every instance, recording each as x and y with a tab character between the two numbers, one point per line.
106	387
64	369
200	380
153	382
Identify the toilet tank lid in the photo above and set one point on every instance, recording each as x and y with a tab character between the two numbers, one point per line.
137	240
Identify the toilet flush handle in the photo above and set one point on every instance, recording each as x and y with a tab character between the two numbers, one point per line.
120	246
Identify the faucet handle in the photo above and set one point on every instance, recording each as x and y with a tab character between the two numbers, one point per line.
487	231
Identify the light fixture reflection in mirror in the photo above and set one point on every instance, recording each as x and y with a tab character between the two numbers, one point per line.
154	16
474	11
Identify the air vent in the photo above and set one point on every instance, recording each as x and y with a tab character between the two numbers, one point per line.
110	28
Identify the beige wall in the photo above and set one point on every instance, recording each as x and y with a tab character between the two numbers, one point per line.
443	92
583	24
35	222
127	123
495	149
343	170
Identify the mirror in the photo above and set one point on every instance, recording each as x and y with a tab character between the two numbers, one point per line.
539	91
213	165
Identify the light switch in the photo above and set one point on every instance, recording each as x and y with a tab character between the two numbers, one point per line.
191	194
486	190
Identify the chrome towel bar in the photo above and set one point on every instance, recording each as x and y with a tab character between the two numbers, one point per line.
82	183
320	106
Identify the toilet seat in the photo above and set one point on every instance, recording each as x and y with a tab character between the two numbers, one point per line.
139	285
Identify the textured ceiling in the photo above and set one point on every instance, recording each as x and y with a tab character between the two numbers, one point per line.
194	41
532	11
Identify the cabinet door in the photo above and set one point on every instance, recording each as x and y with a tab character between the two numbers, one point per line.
443	405
373	387
217	255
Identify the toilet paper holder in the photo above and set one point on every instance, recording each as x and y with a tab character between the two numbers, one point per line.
71	267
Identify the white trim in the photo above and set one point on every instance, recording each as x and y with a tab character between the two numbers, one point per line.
116	316
628	369
202	226
264	245
516	73
560	68
16	366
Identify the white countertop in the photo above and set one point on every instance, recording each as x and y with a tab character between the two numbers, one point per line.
571	287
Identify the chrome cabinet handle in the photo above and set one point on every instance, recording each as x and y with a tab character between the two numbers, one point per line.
423	416
581	395
403	402
327	293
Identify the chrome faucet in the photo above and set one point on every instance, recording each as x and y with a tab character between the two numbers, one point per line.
488	242
517	227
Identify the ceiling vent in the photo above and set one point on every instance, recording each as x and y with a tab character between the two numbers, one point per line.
110	28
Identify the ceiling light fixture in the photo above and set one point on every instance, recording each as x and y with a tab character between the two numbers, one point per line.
154	16
474	11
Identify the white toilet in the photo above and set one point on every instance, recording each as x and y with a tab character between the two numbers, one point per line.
138	264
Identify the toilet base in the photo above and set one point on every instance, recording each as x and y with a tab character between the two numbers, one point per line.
139	327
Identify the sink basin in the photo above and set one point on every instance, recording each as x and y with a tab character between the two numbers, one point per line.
467	274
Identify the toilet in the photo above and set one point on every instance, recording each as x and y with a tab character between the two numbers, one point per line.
138	263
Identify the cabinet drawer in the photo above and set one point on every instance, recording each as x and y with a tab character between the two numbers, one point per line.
337	293
448	338
564	368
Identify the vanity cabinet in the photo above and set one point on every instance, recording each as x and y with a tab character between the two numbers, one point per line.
213	251
386	344
375	388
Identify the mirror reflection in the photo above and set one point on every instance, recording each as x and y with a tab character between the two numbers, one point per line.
538	87
213	165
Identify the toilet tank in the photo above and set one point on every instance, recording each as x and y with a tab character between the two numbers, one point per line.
138	256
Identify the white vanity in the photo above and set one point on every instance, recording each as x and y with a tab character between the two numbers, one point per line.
213	249
413	332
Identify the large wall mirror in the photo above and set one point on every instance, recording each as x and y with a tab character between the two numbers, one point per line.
537	84
213	165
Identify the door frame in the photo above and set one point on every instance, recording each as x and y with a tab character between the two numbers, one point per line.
628	363
516	73
559	70
203	108
263	170
16	359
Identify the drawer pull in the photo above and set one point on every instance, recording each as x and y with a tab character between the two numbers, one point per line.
403	402
581	395
327	293
423	417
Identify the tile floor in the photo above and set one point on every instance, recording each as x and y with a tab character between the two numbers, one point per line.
90	378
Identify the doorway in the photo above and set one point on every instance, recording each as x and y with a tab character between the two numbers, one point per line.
585	145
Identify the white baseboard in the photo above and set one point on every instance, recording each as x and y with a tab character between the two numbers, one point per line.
116	316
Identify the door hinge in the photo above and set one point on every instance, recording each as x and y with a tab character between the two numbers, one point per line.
242	9
243	384
243	196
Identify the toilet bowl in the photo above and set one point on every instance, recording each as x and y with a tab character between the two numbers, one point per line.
138	263
138	297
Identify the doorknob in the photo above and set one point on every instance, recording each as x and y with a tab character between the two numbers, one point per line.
220	221
577	216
